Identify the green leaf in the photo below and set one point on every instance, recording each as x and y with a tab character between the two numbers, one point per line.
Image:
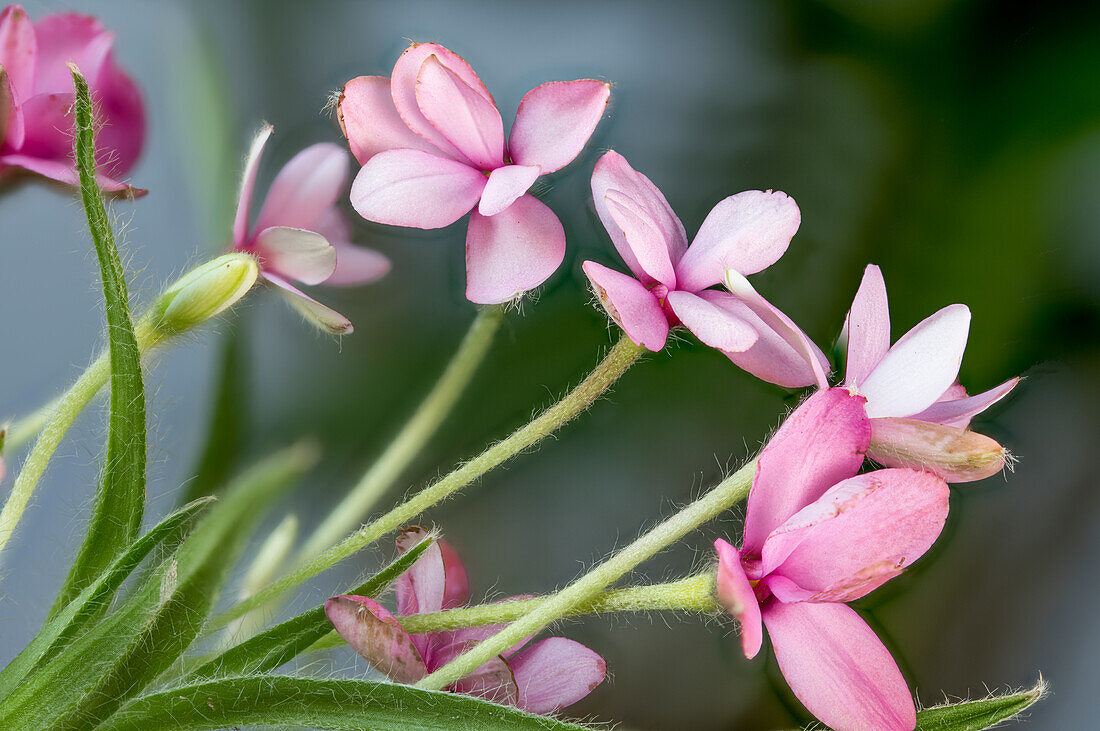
977	715
120	501
282	643
316	703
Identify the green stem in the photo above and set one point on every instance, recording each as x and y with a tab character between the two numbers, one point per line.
411	439
726	494
618	360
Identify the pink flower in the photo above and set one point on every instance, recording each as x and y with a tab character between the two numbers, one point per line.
36	98
431	142
538	677
300	234
817	535
743	234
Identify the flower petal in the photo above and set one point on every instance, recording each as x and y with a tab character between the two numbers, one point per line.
715	326
69	38
747	232
422	588
955	454
377	636
920	366
18	49
554	673
514	251
633	307
48	127
737	596
492	681
644	236
555	120
821	443
295	254
316	313
858	535
248	184
121	134
468	120
868	327
416	189
958	412
370	121
11	115
613	172
357	265
64	172
505	185
838	668
306	189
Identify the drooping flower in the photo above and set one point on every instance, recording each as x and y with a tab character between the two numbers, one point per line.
817	535
431	142
538	677
300	235
670	286
36	98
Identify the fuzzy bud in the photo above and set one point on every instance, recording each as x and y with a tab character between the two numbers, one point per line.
954	454
206	291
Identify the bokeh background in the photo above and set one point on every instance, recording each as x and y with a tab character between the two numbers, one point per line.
955	144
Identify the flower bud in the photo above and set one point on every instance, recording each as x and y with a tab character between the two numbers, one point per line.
206	291
954	454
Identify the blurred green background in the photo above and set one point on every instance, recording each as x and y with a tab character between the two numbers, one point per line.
955	144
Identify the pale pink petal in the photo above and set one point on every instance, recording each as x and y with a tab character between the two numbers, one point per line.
468	120
861	533
554	673
737	596
713	325
64	172
838	668
555	120
867	327
416	189
747	232
377	636
306	189
295	254
633	307
492	681
69	38
18	48
121	132
370	121
248	184
644	235
357	265
920	366
821	443
423	587
514	251
613	172
955	454
456	587
316	313
505	185
958	412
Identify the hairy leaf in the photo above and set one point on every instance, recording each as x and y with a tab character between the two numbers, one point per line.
978	715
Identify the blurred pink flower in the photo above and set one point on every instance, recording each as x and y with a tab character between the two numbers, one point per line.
743	234
817	535
300	234
431	142
36	98
538	677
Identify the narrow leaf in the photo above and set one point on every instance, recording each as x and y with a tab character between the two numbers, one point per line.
978	715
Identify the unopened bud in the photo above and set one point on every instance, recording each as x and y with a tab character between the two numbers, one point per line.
954	454
206	291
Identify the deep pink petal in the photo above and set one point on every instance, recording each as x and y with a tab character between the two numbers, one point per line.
64	172
514	251
121	132
861	533
248	185
468	120
316	313
821	443
633	307
293	253
554	673
838	668
416	189
920	366
747	232
555	120
306	189
48	127
357	265
18	49
737	596
377	636
642	228
505	185
69	38
715	326
867	327
955	454
958	412
370	121
613	172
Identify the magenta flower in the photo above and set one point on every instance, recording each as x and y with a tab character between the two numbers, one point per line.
538	677
36	98
300	234
431	142
744	234
817	535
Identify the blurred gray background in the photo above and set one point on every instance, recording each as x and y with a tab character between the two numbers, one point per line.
956	144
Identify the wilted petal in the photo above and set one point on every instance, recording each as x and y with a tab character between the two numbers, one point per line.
357	265
920	366
554	673
958	412
248	184
295	254
838	668
746	232
370	121
737	596
716	327
514	251
69	38
821	443
416	189
555	120
642	227
468	120
11	116
633	307
316	313
306	189
377	636
868	327
505	185
956	455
